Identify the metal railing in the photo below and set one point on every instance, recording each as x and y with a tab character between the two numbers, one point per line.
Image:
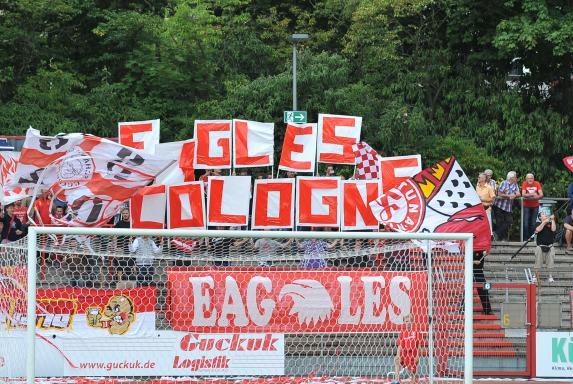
550	202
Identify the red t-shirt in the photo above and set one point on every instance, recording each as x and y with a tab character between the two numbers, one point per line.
409	340
22	214
535	187
43	208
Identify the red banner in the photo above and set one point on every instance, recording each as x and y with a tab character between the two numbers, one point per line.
284	301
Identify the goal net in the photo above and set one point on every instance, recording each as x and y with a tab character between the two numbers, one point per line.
146	304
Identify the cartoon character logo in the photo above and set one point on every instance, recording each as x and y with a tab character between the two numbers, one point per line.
117	317
311	301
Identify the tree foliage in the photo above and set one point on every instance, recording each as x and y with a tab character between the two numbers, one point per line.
428	76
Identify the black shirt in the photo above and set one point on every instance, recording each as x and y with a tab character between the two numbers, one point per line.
546	236
11	224
123	241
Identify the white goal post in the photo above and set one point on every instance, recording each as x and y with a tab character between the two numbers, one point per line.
426	241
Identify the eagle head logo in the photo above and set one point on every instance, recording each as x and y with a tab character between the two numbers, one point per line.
311	302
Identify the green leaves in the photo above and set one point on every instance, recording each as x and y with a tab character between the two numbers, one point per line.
427	76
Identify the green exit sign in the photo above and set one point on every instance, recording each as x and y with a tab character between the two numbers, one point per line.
294	116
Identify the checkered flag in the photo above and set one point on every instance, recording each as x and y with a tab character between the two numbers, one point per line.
367	162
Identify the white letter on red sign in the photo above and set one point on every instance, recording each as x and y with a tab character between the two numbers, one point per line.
317	201
212	144
336	135
299	148
253	143
228	200
186	206
273	204
357	195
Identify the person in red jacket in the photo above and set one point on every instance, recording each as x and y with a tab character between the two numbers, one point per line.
408	353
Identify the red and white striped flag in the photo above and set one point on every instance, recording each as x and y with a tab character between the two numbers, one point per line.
94	176
367	162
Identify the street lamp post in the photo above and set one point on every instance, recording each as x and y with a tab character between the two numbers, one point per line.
295	39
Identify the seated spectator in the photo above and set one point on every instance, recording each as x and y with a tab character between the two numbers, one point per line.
544	251
145	250
502	207
13	229
486	195
568	228
292	175
532	193
76	263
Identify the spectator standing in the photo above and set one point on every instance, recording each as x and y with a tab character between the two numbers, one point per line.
124	265
268	249
479	277
315	252
502	207
145	250
568	228
21	212
219	248
486	194
42	210
12	229
532	192
544	251
489	179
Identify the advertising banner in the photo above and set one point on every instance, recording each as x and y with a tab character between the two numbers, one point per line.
163	353
284	301
554	354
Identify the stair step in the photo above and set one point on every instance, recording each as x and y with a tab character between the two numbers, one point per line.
491	326
485	317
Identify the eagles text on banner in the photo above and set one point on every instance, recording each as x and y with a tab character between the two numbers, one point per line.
253	144
336	135
273	204
398	168
228	200
148	208
285	301
318	201
213	144
357	196
440	199
299	148
142	135
186	208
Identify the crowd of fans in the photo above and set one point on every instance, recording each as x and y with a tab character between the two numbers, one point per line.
138	254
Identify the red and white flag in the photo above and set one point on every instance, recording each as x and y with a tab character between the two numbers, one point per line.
8	164
568	161
367	162
440	199
143	135
94	176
